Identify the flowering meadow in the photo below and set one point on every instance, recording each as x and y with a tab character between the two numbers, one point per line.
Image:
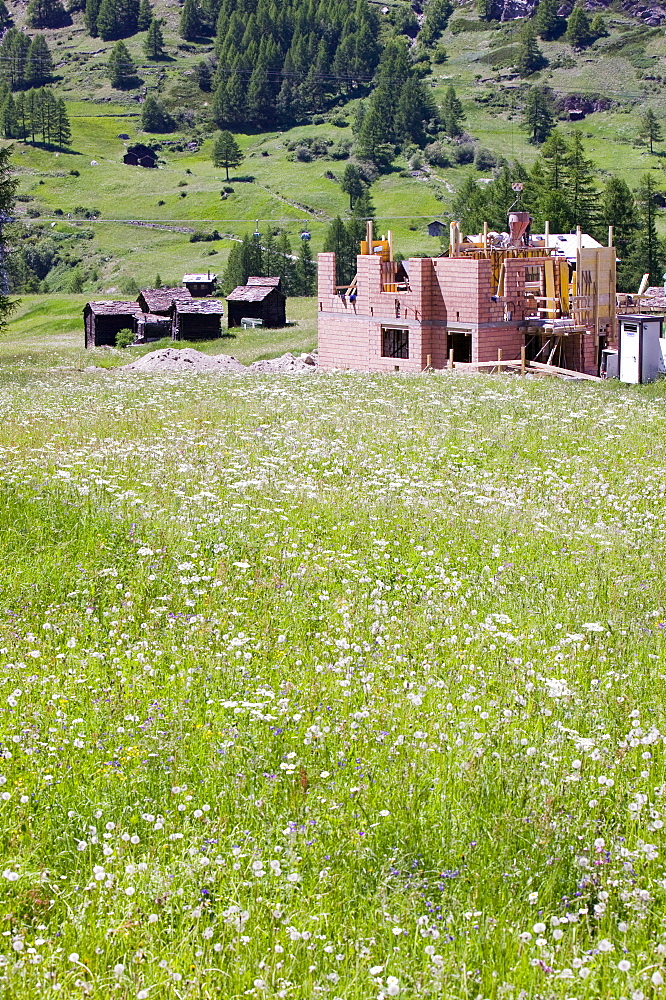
338	686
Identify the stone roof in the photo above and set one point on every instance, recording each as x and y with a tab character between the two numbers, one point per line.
111	307
274	282
250	293
160	299
201	307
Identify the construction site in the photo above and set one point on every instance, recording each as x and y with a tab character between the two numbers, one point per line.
546	303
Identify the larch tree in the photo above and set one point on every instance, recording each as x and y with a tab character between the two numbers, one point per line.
529	57
145	15
650	128
226	152
190	21
538	117
39	64
153	44
121	67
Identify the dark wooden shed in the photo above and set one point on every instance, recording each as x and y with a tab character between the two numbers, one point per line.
196	319
261	298
103	320
200	285
436	228
159	301
140	156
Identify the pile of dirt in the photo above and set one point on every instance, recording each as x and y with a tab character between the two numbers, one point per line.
171	359
285	365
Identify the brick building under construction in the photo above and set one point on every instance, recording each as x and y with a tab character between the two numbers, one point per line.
553	296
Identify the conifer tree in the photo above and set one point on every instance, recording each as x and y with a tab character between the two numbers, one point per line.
547	24
529	57
145	15
578	33
452	113
538	118
579	186
470	207
554	153
190	21
306	270
618	209
4	15
352	183
286	266
155	117
45	14
153	44
436	16
121	67
371	143
204	76
10	123
337	240
13	58
117	18
648	254
598	27
92	11
62	128
650	129
39	64
226	152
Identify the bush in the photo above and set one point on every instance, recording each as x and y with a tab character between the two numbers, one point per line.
440	54
303	154
437	154
464	153
201	236
128	286
124	338
74	173
341	150
484	159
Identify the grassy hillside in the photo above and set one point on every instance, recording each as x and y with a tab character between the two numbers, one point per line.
273	188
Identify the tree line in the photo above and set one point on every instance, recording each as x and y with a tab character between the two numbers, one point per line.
36	115
24	61
271	256
564	188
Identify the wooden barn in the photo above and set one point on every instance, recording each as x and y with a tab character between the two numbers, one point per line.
200	285
196	319
103	320
159	301
140	156
260	298
148	327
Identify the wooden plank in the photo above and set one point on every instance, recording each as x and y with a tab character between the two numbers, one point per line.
554	370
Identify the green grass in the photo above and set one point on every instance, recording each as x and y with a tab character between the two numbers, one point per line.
338	685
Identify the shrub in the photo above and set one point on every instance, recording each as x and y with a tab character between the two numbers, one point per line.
440	54
437	154
484	159
128	286
124	338
464	153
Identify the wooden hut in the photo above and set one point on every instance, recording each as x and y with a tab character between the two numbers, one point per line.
159	301
200	285
104	320
260	298
195	319
140	156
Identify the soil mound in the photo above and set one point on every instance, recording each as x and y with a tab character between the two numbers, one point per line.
171	359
